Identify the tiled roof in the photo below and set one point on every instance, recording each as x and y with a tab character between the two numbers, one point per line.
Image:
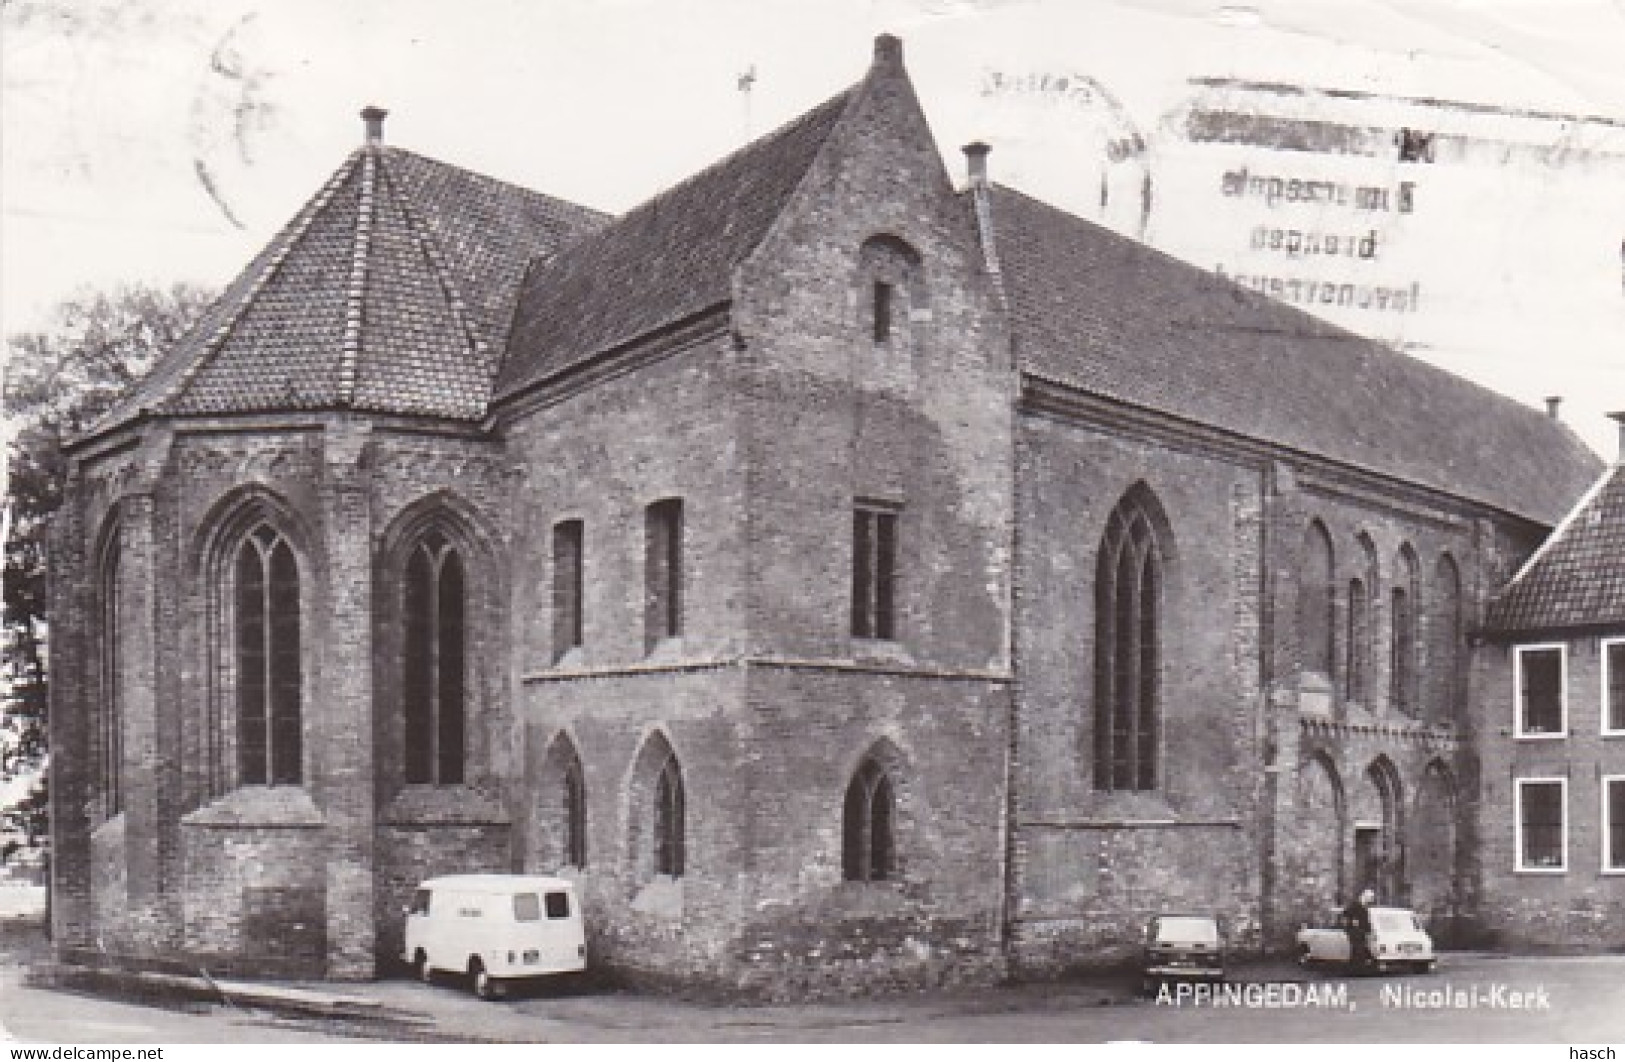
663	261
390	291
1115	318
1577	579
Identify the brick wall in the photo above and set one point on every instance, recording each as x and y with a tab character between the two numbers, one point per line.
253	894
1092	866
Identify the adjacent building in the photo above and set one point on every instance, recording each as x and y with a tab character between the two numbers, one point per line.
850	579
1552	673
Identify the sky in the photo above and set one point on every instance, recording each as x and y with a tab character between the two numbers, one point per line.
163	140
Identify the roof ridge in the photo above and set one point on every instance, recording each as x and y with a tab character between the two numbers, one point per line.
289	239
424	238
355	293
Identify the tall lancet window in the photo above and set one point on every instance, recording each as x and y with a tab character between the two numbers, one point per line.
269	678
110	736
1129	584
433	661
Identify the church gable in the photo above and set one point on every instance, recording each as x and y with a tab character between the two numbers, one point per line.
878	182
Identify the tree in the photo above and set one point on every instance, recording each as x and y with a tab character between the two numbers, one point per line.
59	380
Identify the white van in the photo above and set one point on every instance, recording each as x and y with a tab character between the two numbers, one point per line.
495	928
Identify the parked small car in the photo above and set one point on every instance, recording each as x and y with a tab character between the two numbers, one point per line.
1397	941
494	928
1182	947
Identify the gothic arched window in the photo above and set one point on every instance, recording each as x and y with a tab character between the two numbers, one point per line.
1129	579
268	660
433	655
868	825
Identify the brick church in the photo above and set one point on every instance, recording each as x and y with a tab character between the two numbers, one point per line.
848	578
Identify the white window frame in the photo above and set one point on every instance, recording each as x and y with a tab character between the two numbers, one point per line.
1606	678
1607	780
1562	730
1517	824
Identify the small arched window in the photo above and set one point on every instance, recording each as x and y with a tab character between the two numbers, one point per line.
1403	642
561	812
668	819
269	671
1129	576
890	274
868	825
1444	661
433	662
575	815
1317	602
1357	643
110	739
1357	669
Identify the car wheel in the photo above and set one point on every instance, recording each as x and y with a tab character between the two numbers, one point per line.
487	987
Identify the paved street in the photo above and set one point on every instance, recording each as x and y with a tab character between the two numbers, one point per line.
1584	996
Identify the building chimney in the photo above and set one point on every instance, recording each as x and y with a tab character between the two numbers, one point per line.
372	119
888	50
1552	404
976	163
1619	418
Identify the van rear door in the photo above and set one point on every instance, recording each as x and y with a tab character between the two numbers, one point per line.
548	926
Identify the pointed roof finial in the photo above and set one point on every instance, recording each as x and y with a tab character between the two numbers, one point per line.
372	119
888	50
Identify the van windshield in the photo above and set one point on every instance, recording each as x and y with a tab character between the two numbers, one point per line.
526	907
